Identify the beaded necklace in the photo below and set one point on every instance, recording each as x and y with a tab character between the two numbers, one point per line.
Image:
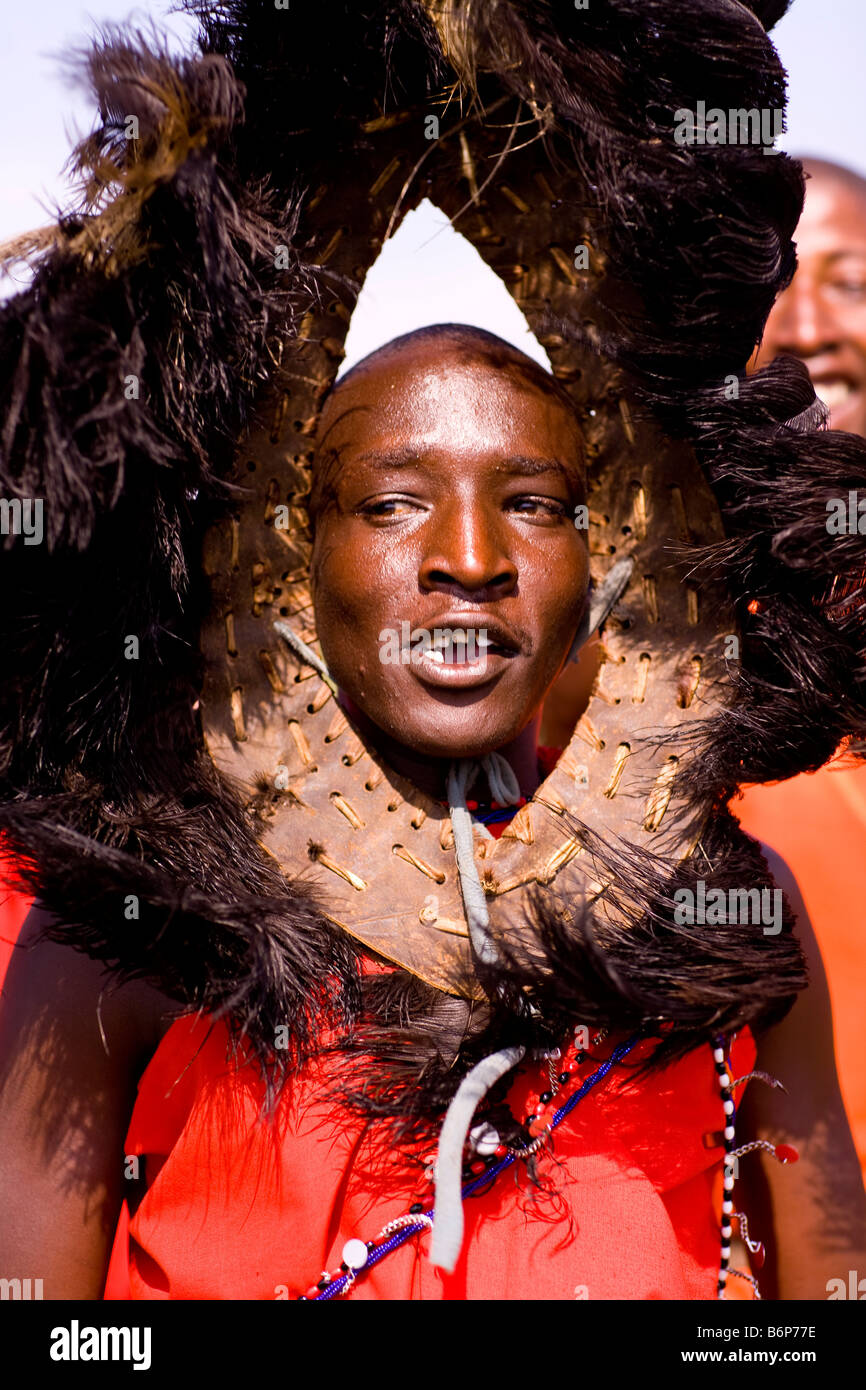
783	1153
359	1256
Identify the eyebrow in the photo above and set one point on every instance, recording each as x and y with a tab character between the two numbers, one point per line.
514	465
532	467
844	252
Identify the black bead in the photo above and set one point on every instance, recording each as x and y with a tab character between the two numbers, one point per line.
563	1077
581	1057
344	1267
416	1208
546	1097
323	1283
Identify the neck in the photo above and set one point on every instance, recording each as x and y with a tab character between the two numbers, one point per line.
430	774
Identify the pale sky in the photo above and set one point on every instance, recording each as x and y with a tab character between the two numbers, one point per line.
822	43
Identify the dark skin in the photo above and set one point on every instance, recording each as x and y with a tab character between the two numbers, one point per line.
70	1055
821	317
447	501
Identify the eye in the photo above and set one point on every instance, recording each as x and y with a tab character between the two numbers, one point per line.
848	279
542	507
386	508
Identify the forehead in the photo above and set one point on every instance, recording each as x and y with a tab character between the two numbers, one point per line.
436	388
834	215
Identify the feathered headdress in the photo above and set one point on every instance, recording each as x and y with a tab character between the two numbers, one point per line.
164	751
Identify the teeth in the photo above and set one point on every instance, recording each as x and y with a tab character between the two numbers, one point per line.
436	656
834	392
462	638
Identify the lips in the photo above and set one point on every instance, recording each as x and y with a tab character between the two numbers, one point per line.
463	650
476	626
839	382
835	392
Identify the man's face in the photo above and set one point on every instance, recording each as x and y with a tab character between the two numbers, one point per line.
445	492
821	317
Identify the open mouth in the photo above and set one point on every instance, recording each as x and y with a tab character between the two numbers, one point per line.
461	655
841	394
835	391
463	646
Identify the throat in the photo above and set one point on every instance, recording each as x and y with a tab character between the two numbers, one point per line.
430	774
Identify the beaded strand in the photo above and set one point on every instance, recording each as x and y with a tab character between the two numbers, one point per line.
724	1079
359	1255
784	1153
542	1119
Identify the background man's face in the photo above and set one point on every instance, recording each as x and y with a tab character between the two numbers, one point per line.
448	488
821	317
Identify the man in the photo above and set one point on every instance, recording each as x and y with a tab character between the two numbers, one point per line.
441	544
117	798
821	319
447	474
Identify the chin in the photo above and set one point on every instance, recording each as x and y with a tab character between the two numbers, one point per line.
454	742
850	416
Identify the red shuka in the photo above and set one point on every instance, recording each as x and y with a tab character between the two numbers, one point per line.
234	1211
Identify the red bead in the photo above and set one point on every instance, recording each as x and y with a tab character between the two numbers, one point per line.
312	1291
758	1257
786	1153
479	1166
501	1151
538	1126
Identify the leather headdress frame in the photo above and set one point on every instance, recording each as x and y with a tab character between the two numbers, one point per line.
383	851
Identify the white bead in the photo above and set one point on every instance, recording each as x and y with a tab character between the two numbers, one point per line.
728	1107
729	1131
724	1079
727	1208
726	1250
484	1139
718	1054
729	1182
355	1254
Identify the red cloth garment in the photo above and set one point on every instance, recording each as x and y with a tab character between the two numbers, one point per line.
817	823
234	1210
14	907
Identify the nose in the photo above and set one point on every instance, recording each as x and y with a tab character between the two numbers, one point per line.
467	553
801	323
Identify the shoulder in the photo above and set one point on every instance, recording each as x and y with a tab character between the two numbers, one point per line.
805	1036
814	1001
807	1112
125	1021
72	1051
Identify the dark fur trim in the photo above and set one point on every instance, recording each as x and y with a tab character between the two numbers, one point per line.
164	272
575	968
